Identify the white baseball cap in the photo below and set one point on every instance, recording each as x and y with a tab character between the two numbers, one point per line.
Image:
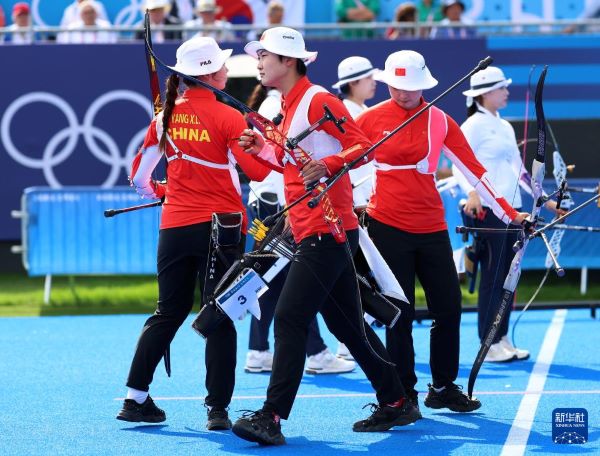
282	41
353	69
200	56
406	70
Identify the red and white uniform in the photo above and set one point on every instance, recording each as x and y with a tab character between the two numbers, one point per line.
303	106
404	193
202	152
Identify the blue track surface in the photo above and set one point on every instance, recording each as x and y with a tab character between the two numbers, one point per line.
60	378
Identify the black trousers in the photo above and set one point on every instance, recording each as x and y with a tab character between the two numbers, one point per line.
427	256
259	329
494	264
182	261
322	278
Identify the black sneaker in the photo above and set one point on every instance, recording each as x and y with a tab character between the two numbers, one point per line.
218	419
451	397
147	412
261	426
385	417
413	398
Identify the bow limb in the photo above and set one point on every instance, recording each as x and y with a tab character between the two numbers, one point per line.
157	107
514	273
157	103
526	123
510	285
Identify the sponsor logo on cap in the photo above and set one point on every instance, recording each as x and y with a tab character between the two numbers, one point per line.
400	72
287	37
205	62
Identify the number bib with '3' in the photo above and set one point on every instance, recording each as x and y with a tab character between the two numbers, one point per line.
242	295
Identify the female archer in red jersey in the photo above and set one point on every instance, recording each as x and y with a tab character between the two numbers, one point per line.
198	136
406	220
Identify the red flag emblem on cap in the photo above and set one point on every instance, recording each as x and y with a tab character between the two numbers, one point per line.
400	71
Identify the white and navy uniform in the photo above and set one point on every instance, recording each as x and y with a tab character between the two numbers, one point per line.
494	143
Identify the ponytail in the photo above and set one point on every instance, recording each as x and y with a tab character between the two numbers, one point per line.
258	95
474	108
344	91
170	97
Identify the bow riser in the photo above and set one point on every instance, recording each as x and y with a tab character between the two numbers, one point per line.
538	172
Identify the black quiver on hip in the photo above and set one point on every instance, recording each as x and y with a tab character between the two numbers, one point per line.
225	250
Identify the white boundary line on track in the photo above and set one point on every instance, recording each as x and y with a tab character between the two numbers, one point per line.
516	441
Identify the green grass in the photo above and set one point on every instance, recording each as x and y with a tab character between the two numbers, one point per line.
23	296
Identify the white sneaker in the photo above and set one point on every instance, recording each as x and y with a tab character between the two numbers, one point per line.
343	352
499	354
327	363
258	361
519	353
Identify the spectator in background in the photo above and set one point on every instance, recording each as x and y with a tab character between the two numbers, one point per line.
359	12
275	14
295	11
207	11
182	10
159	15
2	18
89	11
71	13
21	26
406	13
429	11
452	11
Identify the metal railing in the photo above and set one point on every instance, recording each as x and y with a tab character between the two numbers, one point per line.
328	31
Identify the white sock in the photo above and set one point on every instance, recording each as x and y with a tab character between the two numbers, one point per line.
137	395
438	390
